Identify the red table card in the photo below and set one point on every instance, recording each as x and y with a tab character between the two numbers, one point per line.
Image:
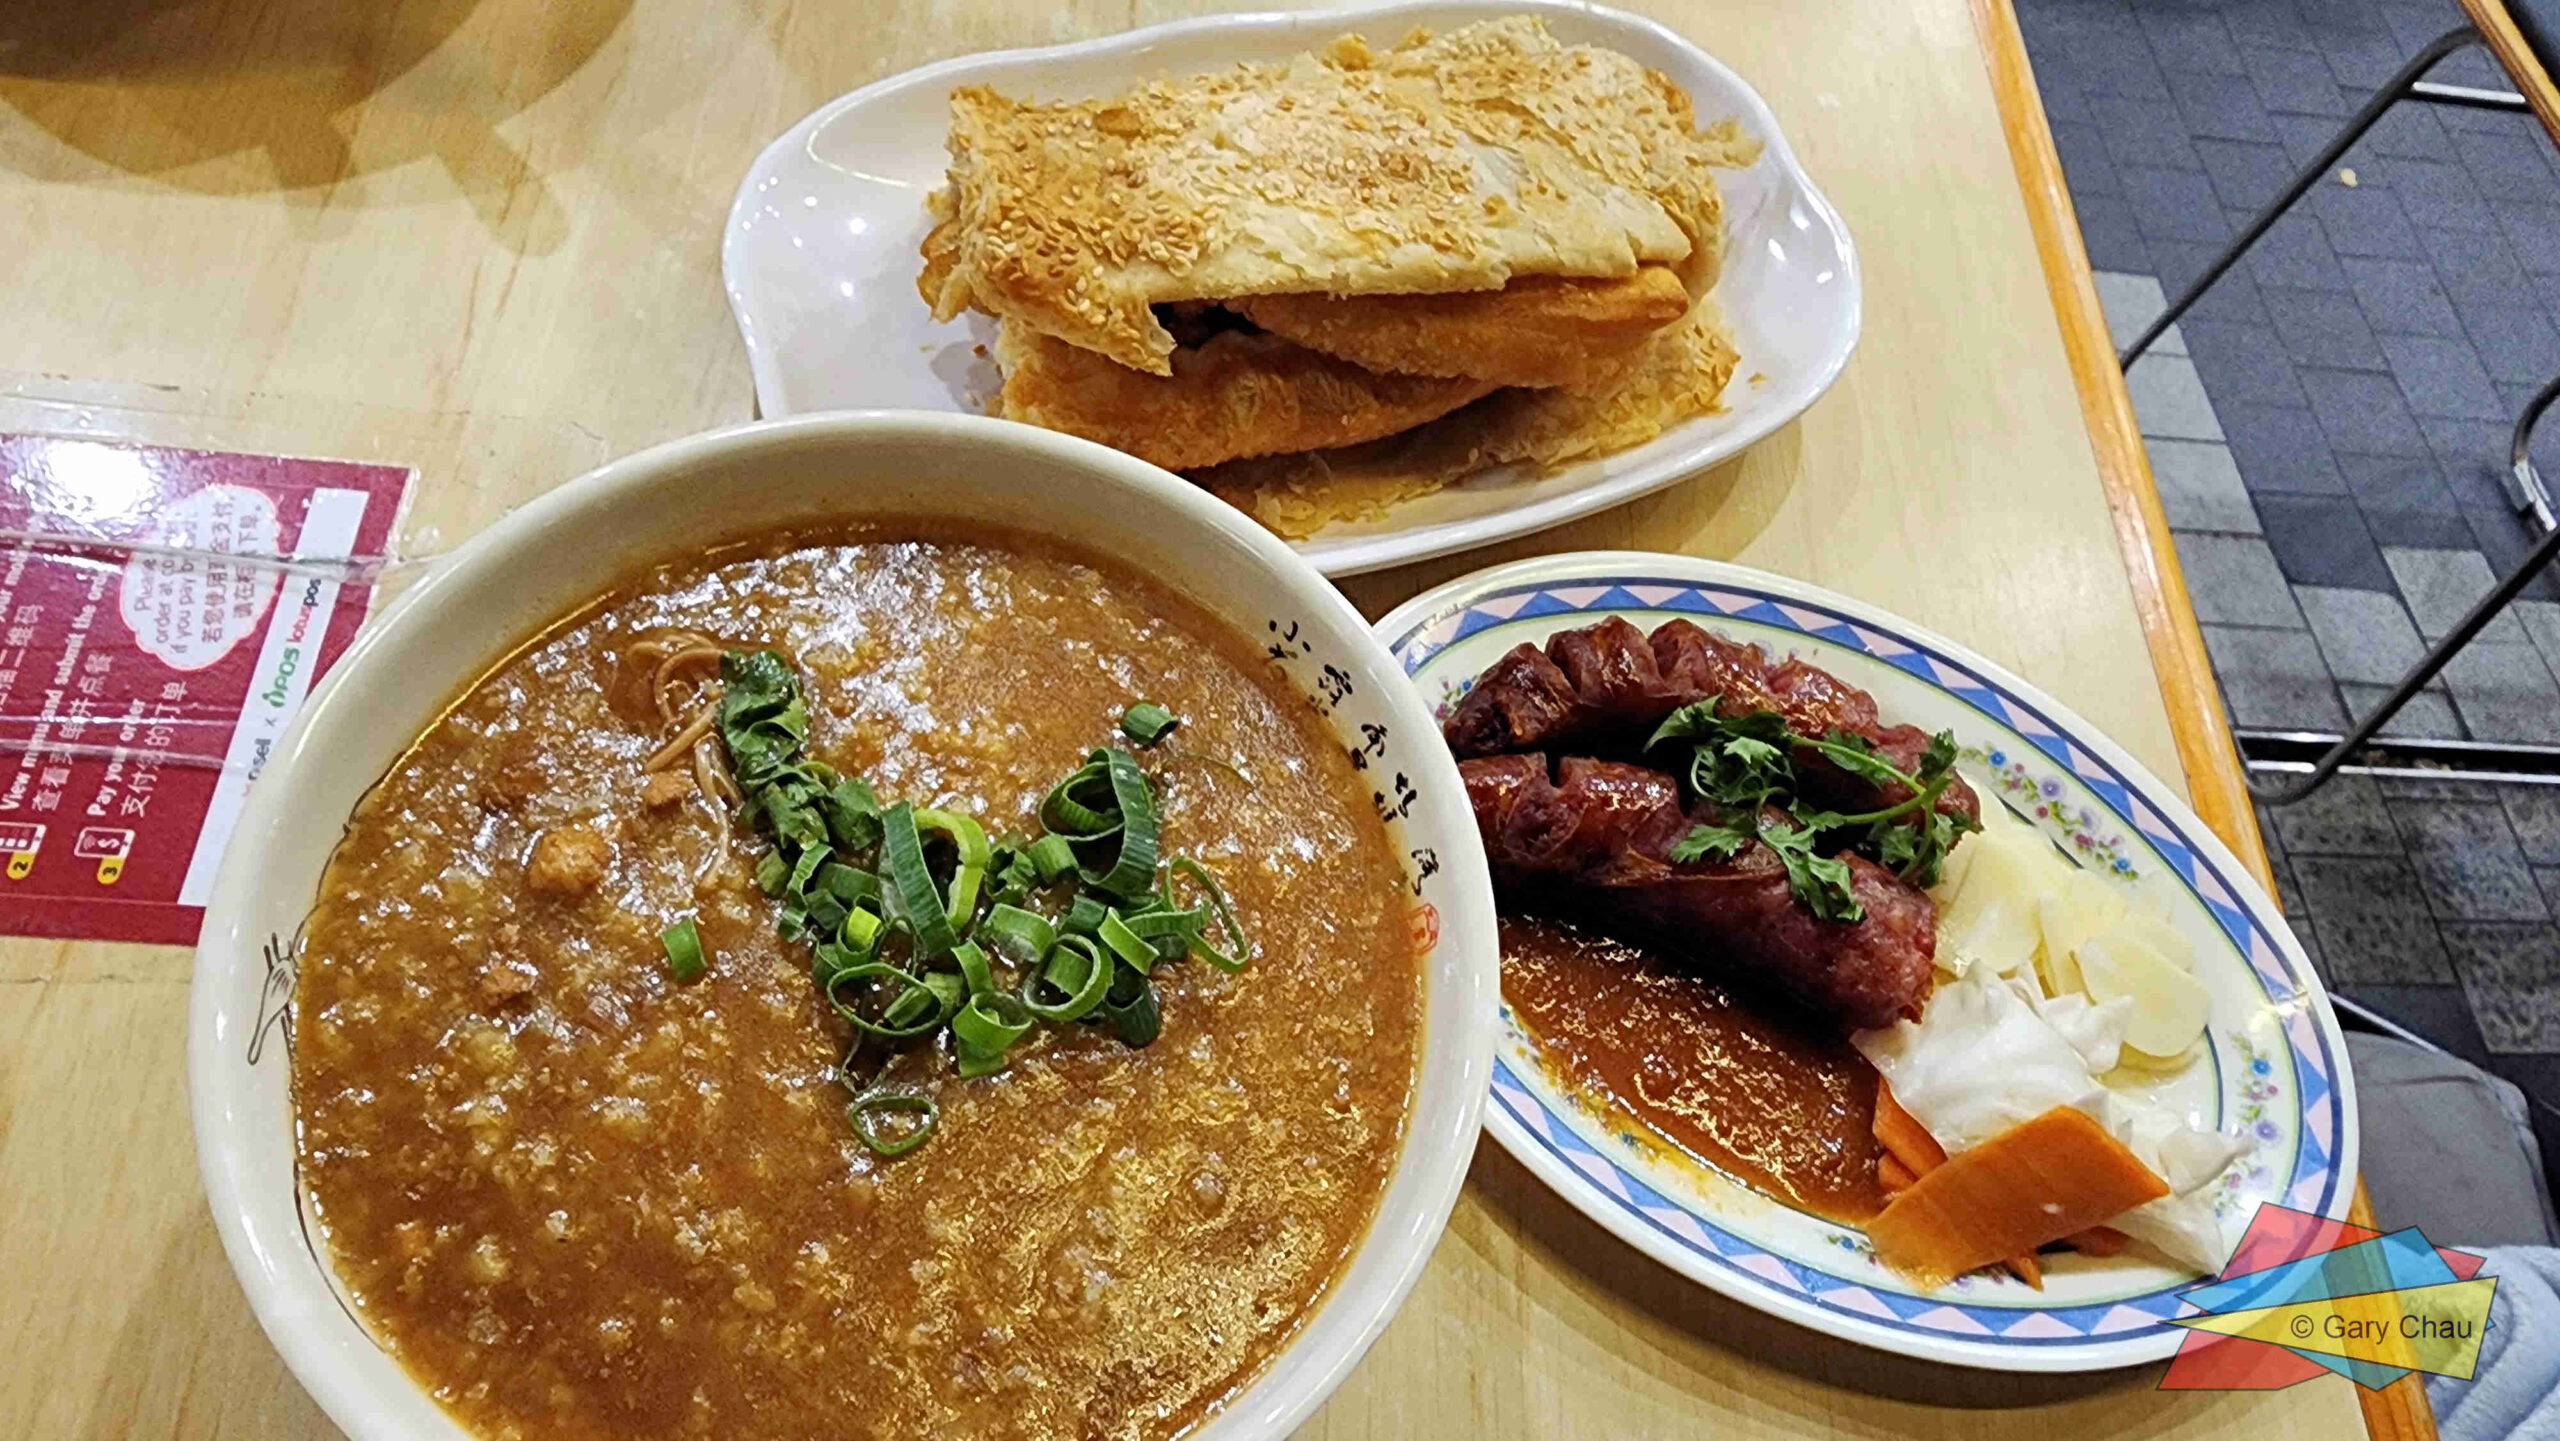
163	613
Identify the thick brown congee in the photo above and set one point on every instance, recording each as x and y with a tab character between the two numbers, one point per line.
579	1199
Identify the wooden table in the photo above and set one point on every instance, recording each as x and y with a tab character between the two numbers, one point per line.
480	237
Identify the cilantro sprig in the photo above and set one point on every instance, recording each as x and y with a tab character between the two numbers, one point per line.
1745	764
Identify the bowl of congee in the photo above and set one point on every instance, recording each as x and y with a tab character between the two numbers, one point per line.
869	925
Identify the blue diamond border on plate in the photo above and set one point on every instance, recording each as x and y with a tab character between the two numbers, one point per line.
2313	1185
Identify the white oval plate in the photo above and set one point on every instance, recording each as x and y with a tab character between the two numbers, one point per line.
820	259
2273	1067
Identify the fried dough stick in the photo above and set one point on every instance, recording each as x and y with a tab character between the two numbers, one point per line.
1236	394
1538	330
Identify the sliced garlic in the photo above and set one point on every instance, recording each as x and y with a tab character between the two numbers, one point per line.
2076	907
2169	1005
1993	920
2160	936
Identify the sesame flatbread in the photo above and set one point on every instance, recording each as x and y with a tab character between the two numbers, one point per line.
1446	164
1681	373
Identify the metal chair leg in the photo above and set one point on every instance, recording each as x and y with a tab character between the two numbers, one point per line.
2524	484
2391	93
2472	624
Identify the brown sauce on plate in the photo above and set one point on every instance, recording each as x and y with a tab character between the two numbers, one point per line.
580	1200
1739	1080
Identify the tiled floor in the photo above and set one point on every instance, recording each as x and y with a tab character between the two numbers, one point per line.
2433	902
2328	428
2357	589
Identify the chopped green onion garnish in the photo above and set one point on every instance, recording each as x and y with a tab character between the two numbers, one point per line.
905	943
1021	936
1146	723
1124	942
866	1112
684	949
974	969
860	929
1132	872
847	885
1173	932
911	885
1052	857
1129	1007
1011	877
1080	808
970	839
771	871
1243	948
853	815
949	990
915	1009
1084	916
805	870
828	957
985	1029
1077	971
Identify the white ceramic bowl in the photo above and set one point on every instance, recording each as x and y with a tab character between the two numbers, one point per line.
580	539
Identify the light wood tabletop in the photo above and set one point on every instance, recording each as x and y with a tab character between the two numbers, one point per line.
481	238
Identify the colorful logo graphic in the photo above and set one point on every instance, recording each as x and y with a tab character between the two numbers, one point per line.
2304	1296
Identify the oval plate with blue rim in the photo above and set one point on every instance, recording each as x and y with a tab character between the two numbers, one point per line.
2272	1068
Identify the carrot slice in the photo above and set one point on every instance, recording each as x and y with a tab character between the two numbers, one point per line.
1910	1152
1903	1137
2038	1181
1894	1176
2098	1241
